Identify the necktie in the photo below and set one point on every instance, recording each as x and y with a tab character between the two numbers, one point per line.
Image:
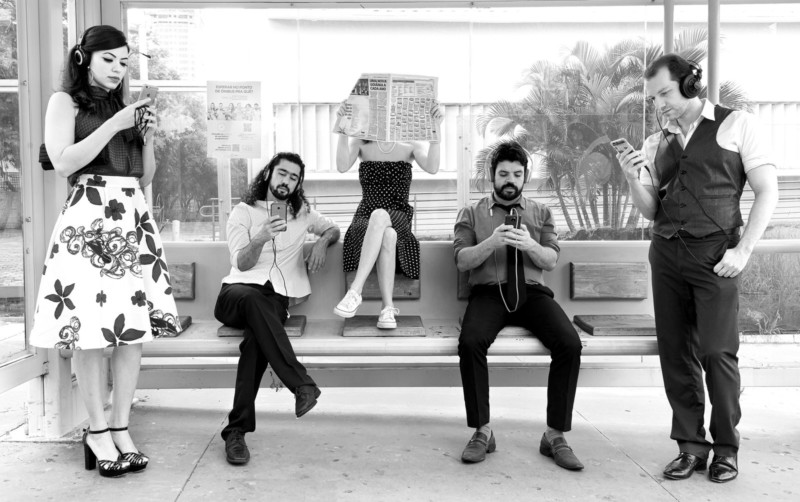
515	272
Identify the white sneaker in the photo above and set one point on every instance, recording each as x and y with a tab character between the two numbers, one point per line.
349	304
386	319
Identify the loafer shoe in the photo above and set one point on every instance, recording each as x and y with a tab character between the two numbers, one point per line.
684	465
236	451
723	469
478	447
560	451
305	399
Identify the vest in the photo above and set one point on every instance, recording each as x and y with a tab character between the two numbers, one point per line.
700	184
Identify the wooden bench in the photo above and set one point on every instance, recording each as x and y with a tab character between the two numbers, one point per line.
199	358
613	347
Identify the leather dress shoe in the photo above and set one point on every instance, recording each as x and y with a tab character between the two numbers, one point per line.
560	451
305	399
236	451
723	469
684	465
478	447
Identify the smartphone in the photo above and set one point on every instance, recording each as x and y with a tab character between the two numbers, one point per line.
148	91
512	219
279	209
621	145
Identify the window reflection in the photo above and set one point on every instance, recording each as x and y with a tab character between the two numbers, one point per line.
562	80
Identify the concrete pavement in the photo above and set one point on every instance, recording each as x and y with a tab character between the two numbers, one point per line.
405	445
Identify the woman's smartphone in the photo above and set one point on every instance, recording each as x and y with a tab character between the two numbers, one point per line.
148	91
278	209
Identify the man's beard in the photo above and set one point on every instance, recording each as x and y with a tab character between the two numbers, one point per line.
500	192
278	194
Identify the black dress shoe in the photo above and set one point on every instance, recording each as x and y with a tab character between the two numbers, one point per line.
723	469
478	447
561	453
236	449
683	466
305	399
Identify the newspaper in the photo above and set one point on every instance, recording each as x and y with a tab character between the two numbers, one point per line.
389	107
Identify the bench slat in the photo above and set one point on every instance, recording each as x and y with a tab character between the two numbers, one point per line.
315	344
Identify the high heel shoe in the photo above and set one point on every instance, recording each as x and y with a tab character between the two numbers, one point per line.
138	460
107	468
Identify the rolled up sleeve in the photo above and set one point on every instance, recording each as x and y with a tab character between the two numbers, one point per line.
549	236
752	147
238	230
319	223
463	232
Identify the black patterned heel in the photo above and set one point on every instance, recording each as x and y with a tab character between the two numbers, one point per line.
138	460
106	468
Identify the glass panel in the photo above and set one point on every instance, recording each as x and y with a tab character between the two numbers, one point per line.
564	82
12	305
185	195
397	41
756	38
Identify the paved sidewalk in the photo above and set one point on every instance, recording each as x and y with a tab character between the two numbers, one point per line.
405	445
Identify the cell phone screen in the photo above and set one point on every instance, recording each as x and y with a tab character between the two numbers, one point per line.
621	145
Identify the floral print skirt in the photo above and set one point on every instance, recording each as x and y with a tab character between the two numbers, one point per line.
105	281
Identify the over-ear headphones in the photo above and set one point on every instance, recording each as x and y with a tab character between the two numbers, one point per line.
689	84
80	55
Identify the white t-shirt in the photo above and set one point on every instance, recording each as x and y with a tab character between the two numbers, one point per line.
288	273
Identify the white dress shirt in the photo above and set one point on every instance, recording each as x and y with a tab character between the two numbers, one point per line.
739	133
288	273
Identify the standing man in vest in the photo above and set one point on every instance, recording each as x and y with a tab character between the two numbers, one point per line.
692	176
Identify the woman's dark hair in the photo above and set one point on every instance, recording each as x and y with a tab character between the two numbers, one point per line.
509	151
76	69
259	187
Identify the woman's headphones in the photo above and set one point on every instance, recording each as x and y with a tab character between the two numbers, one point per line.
689	84
80	56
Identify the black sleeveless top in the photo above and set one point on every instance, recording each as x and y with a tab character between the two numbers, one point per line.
122	156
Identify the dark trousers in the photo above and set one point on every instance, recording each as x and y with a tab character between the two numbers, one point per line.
486	315
696	312
261	312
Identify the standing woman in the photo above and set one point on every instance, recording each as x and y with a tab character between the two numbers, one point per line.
381	228
105	282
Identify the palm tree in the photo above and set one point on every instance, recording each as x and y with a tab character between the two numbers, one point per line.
574	108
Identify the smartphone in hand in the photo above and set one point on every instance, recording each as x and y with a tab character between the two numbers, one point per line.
279	208
148	91
512	219
621	145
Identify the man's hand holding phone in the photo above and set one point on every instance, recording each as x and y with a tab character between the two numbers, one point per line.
279	210
630	160
515	234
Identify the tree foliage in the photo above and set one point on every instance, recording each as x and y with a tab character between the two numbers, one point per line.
186	178
570	112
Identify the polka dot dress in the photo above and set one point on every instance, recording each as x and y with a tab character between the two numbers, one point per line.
384	185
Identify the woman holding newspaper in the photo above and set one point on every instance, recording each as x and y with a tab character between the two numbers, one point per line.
381	228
